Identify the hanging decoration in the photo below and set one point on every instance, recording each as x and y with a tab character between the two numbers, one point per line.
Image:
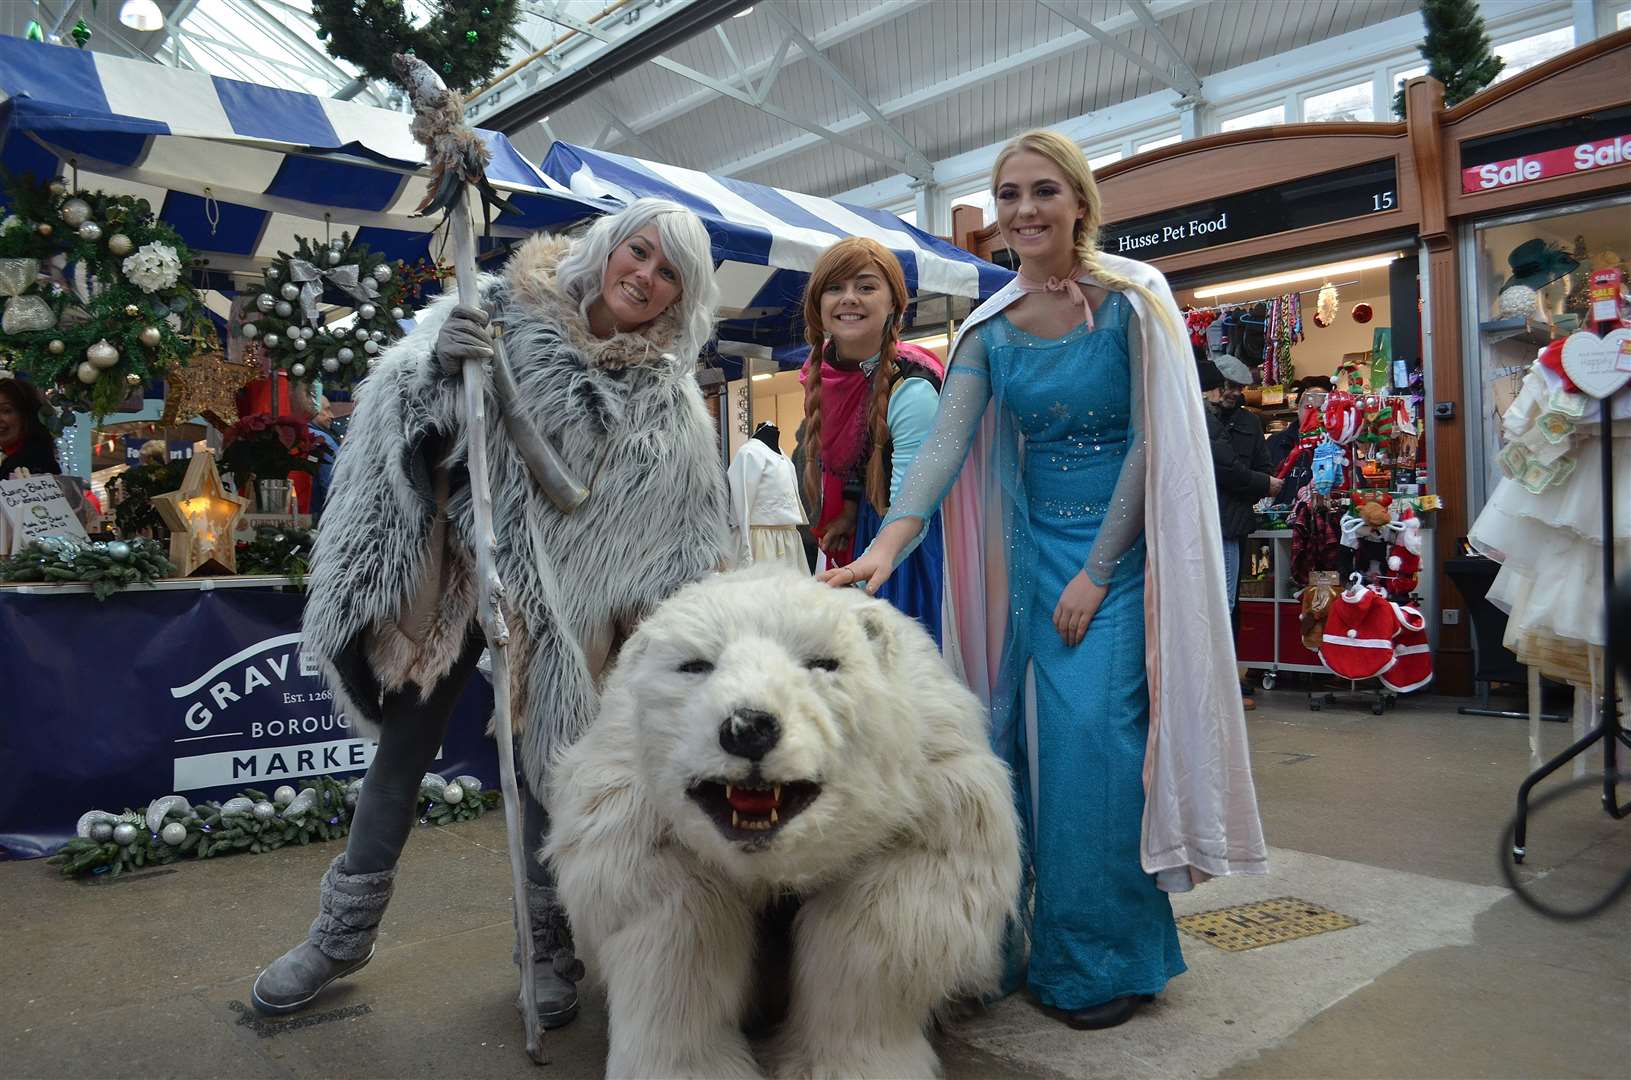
285	314
171	828
105	567
465	41
207	387
1325	311
98	299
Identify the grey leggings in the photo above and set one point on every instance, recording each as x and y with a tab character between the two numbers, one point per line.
410	735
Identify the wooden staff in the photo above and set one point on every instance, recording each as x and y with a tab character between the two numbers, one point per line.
457	158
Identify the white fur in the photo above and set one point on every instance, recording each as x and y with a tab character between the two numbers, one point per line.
907	863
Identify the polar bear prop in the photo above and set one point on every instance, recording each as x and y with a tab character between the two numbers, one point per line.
763	735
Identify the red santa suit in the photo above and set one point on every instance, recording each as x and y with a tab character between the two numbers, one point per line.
1412	666
1359	631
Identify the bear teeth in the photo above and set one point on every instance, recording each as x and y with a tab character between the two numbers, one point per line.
775	817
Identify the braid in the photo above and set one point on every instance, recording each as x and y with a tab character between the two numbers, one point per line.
1088	255
812	427
883	385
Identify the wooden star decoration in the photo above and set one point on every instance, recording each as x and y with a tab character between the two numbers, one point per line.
202	516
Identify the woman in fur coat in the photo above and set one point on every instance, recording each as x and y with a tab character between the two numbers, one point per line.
602	334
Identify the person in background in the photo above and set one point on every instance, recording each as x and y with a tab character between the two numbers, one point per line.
26	447
1240	460
321	425
1281	444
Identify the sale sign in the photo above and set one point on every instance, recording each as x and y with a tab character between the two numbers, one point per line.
1563	161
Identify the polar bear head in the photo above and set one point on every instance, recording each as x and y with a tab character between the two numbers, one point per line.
781	727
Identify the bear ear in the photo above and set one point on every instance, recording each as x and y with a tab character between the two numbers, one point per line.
879	633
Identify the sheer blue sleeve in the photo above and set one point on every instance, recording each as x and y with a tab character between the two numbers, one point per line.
963	399
1124	521
912	410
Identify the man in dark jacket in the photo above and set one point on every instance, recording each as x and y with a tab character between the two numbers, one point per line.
1240	459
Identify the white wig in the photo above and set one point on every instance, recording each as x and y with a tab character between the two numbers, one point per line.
685	245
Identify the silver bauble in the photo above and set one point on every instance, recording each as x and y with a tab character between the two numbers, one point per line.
370	347
272	341
150	336
272	273
102	354
173	833
90	231
118	550
307	332
264	811
120	244
333	258
284	309
330	364
265	302
102	831
298	343
250	330
367	312
453	794
290	291
56	347
345	356
124	834
284	795
376	335
297	370
382	272
87	372
89	818
396	313
76	211
361	333
57	188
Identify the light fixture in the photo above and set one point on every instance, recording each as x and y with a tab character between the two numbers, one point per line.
1311	273
745	11
761	376
141	15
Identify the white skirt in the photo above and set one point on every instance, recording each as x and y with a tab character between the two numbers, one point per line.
777	544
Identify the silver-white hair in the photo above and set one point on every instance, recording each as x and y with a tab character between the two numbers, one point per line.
685	245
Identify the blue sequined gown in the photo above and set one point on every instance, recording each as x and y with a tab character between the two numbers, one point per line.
1101	928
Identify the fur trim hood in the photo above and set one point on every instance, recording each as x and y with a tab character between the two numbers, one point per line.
530	277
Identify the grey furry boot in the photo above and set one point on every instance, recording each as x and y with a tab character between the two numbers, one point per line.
341	940
556	971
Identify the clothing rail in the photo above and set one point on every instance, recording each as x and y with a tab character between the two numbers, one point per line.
1266	299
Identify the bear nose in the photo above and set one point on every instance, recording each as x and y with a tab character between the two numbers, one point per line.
750	733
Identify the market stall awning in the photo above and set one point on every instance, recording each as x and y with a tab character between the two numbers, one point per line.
766	241
238	169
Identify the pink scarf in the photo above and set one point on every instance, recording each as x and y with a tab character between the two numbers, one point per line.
1066	285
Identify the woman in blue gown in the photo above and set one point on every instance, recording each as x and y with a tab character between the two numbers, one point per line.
1059	370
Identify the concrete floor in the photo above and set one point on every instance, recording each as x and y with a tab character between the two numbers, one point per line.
1391	820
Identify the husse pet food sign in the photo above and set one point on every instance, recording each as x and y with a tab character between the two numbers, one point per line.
1168	234
1546	164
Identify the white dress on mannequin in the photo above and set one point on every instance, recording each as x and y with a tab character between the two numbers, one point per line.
765	508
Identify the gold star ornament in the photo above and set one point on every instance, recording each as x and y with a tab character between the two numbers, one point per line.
202	516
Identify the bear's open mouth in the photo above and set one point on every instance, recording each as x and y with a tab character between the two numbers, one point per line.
752	808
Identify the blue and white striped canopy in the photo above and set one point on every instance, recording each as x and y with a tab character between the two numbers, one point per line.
766	241
237	169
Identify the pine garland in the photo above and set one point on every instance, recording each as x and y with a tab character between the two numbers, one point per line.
1457	51
285	551
105	567
466	41
133	511
251	821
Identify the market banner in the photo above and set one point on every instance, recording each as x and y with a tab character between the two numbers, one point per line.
191	692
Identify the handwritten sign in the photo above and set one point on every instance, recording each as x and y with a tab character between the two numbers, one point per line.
36	506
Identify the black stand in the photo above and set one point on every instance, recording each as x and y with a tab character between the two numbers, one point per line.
1608	732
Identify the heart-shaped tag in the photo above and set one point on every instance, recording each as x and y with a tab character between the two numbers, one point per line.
1596	364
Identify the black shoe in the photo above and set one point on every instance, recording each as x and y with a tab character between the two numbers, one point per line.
1111	1014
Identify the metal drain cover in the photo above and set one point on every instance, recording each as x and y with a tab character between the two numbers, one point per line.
1266	922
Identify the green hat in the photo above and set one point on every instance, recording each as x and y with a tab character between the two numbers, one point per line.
1537	264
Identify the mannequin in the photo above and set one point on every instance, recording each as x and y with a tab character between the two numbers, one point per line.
765	509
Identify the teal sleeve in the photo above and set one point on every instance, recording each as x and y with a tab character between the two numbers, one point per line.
912	410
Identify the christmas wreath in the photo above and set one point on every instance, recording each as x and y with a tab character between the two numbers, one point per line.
467	41
283	314
171	828
98	297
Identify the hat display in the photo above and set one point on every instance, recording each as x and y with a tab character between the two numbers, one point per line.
1537	264
1233	368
